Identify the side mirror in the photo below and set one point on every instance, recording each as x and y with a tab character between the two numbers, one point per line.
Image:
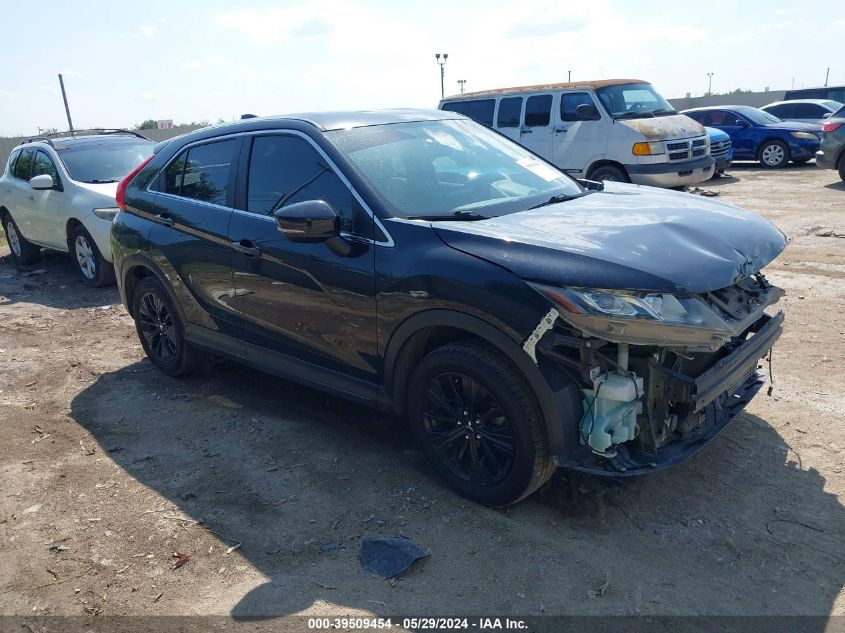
587	112
311	222
44	181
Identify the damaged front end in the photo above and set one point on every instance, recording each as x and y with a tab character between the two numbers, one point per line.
659	374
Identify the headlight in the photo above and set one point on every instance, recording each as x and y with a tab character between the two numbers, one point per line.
641	318
647	149
106	214
805	135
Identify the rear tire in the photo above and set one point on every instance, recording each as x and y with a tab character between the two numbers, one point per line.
842	167
609	172
774	155
93	269
160	329
23	252
478	423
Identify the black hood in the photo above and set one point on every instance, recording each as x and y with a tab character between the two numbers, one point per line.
625	238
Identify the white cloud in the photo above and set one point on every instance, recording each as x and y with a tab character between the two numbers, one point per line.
838	25
148	30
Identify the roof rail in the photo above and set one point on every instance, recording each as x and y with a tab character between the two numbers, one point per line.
49	138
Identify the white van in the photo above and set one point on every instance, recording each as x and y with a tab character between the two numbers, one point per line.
613	129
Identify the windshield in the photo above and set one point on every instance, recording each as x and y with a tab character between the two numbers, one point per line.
758	117
630	101
444	168
104	161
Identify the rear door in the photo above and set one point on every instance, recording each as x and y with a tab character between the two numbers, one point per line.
302	303
536	131
574	142
21	194
809	112
190	237
8	189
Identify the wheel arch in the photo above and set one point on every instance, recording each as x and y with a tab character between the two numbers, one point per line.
759	149
425	331
134	269
70	227
605	162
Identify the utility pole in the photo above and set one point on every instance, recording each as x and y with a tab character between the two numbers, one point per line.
444	57
461	83
568	76
64	97
710	83
826	76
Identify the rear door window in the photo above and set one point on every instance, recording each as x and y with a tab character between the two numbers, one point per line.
538	111
202	173
782	111
510	108
23	166
11	166
569	103
480	110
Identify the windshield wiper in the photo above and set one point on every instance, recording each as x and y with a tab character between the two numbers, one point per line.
663	111
635	115
460	216
562	197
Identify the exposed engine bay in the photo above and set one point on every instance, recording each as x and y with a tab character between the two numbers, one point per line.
645	404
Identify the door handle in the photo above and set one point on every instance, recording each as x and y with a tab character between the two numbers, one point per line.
525	131
560	129
245	247
165	220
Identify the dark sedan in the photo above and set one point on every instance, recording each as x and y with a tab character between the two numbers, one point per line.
758	135
831	154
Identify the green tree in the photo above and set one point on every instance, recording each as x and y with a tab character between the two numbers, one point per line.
149	124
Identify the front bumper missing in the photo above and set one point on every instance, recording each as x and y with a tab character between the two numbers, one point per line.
718	395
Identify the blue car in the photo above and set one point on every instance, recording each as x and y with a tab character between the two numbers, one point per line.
758	135
721	149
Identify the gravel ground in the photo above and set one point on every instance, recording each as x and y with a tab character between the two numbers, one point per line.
107	468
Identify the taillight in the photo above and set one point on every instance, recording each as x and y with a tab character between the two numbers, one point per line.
830	126
120	196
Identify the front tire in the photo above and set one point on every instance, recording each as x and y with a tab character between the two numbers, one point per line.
478	423
23	252
609	173
774	155
94	270
842	167
160	329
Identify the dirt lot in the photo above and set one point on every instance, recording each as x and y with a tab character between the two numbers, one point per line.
107	466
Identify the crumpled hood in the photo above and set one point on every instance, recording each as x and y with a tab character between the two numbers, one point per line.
665	128
625	238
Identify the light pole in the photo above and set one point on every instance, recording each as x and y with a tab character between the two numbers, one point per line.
461	83
710	83
569	76
441	59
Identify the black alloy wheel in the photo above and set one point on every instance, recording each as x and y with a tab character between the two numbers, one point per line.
468	429
160	329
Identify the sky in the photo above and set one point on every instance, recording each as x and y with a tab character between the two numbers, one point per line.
126	62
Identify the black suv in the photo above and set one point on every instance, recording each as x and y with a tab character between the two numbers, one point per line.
421	263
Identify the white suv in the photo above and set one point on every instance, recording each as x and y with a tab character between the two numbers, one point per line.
58	191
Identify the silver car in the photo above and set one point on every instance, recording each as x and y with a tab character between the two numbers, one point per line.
804	110
58	192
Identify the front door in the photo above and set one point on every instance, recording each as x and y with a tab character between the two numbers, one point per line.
536	131
576	142
742	133
303	306
509	117
46	225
